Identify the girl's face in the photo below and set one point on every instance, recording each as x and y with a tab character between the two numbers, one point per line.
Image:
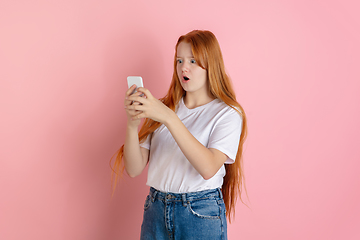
192	77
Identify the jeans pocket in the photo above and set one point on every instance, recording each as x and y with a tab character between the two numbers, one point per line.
147	203
206	208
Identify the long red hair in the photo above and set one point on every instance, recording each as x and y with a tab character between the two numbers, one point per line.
207	53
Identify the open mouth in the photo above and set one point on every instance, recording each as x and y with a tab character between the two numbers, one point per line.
186	78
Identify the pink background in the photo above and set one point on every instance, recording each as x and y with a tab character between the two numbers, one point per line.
63	67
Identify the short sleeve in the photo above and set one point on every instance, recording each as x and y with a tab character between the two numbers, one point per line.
225	135
146	144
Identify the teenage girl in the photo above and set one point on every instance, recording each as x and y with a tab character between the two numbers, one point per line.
192	140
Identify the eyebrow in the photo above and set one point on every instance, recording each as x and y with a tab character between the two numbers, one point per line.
185	57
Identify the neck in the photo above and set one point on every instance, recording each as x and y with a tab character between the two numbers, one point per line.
193	100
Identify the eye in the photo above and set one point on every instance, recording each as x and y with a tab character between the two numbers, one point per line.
179	61
192	61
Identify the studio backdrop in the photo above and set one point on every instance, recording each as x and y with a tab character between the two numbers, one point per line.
63	67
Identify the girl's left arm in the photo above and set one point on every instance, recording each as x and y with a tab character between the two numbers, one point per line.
207	161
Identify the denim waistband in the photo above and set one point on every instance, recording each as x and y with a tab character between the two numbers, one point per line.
184	197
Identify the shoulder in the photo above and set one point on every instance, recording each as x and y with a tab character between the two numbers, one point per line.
225	110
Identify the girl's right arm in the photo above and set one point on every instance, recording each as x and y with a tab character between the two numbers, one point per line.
135	157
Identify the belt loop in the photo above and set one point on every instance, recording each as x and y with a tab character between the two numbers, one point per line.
154	195
184	199
220	193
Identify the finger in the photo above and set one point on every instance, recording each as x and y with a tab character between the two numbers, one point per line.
130	102
145	91
136	94
130	90
127	102
138	116
132	113
137	99
135	107
130	109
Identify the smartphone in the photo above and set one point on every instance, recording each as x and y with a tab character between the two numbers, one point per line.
131	80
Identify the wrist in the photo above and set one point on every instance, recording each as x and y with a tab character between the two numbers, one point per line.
132	128
171	119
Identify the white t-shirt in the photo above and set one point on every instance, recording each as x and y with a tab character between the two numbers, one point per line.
215	125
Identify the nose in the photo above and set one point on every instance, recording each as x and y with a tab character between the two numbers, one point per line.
184	67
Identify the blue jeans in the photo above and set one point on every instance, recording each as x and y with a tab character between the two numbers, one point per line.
175	216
